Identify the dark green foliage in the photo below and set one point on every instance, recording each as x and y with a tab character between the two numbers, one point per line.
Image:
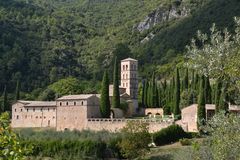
104	101
186	80
201	112
17	96
48	95
208	91
154	96
146	93
223	105
169	135
71	144
5	105
176	108
116	95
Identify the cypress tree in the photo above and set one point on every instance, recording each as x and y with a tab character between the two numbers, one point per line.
149	96
154	92
201	112
17	91
143	93
193	81
185	80
208	91
146	94
5	106
104	101
176	109
223	105
217	94
116	95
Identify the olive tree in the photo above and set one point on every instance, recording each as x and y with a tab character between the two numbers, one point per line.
10	146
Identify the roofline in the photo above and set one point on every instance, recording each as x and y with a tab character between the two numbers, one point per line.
129	59
90	95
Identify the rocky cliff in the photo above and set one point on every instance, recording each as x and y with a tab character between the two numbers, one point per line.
162	14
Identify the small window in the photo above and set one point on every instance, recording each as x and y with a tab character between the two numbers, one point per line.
123	84
126	84
74	103
21	110
15	110
41	109
126	67
53	117
60	103
17	116
25	117
126	76
123	67
27	110
53	109
37	117
67	103
44	117
123	76
40	116
48	109
33	109
82	103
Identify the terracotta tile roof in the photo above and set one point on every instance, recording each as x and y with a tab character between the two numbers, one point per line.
76	97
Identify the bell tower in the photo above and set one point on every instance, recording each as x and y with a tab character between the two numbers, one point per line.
129	77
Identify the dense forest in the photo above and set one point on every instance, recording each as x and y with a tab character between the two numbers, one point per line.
44	41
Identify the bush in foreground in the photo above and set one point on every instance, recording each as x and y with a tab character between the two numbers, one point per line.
168	135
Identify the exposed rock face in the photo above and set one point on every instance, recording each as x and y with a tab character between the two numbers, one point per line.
161	15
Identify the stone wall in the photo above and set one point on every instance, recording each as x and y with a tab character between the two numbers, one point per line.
114	125
33	117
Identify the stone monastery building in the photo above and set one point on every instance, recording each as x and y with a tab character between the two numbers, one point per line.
82	111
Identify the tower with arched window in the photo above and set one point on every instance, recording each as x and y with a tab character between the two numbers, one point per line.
129	77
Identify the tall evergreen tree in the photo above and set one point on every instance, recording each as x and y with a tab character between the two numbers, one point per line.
154	92
223	105
201	112
116	95
5	106
149	95
146	94
208	91
176	109
217	94
143	93
186	80
105	107
17	91
193	81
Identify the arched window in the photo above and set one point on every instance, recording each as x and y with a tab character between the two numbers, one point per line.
126	76
123	76
60	103
17	116
74	103
123	67
67	103
126	67
82	103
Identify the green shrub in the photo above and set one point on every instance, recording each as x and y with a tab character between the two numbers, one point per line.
185	142
168	135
